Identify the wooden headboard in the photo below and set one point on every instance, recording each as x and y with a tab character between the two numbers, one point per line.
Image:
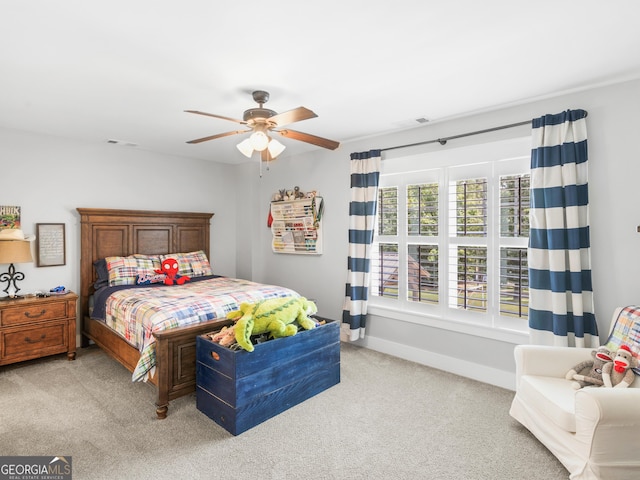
107	233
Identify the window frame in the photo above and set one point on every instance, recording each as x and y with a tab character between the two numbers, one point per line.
491	160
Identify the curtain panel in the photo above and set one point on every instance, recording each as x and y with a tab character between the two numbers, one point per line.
365	178
561	308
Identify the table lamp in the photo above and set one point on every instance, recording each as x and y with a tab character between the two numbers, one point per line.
13	251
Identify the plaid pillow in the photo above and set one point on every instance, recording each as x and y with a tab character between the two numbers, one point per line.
125	270
192	264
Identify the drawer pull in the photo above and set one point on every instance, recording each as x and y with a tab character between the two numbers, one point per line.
42	337
215	355
37	315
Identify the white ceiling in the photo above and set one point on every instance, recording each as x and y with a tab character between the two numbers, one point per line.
126	69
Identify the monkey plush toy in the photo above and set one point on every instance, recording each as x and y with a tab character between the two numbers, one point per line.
589	372
619	373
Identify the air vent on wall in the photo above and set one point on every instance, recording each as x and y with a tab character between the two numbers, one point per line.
122	143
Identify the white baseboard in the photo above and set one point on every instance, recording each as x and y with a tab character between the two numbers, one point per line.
492	376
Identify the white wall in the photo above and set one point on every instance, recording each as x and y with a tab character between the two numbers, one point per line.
50	177
614	171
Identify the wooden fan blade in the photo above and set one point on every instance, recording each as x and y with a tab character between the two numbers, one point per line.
219	135
216	116
305	137
291	116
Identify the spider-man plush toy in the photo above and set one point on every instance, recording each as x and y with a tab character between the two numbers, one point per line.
170	270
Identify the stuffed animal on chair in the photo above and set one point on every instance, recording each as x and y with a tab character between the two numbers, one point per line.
618	374
589	372
274	316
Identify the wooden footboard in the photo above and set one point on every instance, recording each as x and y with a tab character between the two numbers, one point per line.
176	361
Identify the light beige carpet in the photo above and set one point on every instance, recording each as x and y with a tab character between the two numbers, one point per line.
387	419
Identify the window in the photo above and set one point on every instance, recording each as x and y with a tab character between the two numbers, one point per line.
514	206
422	209
388	211
451	241
422	273
514	223
514	282
386	259
468	205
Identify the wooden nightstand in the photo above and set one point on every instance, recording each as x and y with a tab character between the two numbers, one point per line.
37	327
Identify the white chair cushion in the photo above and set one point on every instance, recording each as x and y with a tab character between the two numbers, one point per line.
553	398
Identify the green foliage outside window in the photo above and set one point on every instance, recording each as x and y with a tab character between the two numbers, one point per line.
422	209
471	208
388	211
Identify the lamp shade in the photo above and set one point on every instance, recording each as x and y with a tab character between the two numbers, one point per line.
275	148
259	140
245	147
15	251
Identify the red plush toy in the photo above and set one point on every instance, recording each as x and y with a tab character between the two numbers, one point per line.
170	269
619	373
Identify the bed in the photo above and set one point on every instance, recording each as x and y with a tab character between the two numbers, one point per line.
107	233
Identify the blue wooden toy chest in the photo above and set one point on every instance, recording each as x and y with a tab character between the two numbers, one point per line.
239	389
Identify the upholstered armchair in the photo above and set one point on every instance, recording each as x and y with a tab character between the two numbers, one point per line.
593	431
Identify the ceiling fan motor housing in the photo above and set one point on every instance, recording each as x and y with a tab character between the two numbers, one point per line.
256	113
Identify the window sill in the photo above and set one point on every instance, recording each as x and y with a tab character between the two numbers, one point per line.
515	335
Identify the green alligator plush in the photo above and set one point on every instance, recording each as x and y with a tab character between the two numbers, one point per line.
274	316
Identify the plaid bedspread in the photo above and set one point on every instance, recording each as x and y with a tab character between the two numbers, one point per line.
137	313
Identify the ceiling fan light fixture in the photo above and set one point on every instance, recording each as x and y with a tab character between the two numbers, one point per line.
259	140
260	122
246	147
275	148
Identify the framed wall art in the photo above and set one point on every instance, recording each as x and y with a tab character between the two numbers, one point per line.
50	244
9	216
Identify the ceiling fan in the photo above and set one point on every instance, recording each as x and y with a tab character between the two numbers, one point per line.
262	121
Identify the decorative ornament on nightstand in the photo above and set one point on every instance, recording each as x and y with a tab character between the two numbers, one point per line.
15	247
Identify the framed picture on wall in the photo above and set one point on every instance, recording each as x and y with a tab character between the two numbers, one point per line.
50	244
9	216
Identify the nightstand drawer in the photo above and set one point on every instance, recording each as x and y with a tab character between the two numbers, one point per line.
33	313
25	343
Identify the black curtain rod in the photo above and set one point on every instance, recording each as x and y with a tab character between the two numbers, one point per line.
444	140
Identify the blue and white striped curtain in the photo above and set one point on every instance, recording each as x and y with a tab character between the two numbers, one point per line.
365	177
561	309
